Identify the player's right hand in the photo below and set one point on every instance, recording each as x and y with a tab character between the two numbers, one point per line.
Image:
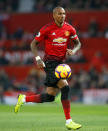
40	62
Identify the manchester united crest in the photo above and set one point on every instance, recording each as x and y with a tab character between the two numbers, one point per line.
67	33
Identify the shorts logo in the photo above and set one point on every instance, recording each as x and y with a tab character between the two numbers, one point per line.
67	33
60	40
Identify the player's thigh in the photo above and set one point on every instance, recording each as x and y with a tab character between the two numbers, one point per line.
62	82
52	91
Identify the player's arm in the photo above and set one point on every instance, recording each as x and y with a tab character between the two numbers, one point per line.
33	46
76	41
77	46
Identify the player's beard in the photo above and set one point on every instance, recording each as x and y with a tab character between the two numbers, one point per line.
61	22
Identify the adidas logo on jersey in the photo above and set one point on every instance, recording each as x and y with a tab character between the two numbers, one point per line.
53	33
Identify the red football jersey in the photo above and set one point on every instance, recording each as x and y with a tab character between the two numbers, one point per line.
56	40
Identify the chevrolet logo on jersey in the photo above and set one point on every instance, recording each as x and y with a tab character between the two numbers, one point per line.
60	40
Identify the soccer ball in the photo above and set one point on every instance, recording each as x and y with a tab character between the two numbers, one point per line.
63	71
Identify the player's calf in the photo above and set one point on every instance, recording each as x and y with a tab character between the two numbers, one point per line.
47	98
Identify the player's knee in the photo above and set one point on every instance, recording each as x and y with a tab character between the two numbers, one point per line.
47	98
62	83
65	93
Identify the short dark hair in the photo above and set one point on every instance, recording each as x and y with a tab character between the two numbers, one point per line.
57	8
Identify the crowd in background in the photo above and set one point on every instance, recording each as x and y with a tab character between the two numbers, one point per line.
20	44
91	79
8	6
34	82
92	31
48	5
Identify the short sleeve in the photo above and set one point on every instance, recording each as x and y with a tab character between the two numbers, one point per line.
73	34
41	35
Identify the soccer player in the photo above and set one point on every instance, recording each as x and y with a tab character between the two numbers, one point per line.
56	36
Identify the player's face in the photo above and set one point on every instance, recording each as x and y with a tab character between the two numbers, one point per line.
59	16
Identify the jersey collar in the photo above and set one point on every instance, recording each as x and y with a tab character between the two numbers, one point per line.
58	26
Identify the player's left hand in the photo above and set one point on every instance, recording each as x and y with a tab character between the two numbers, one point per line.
69	52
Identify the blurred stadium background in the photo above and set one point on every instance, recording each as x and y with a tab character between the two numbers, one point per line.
20	20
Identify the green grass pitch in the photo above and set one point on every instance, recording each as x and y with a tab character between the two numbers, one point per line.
50	117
